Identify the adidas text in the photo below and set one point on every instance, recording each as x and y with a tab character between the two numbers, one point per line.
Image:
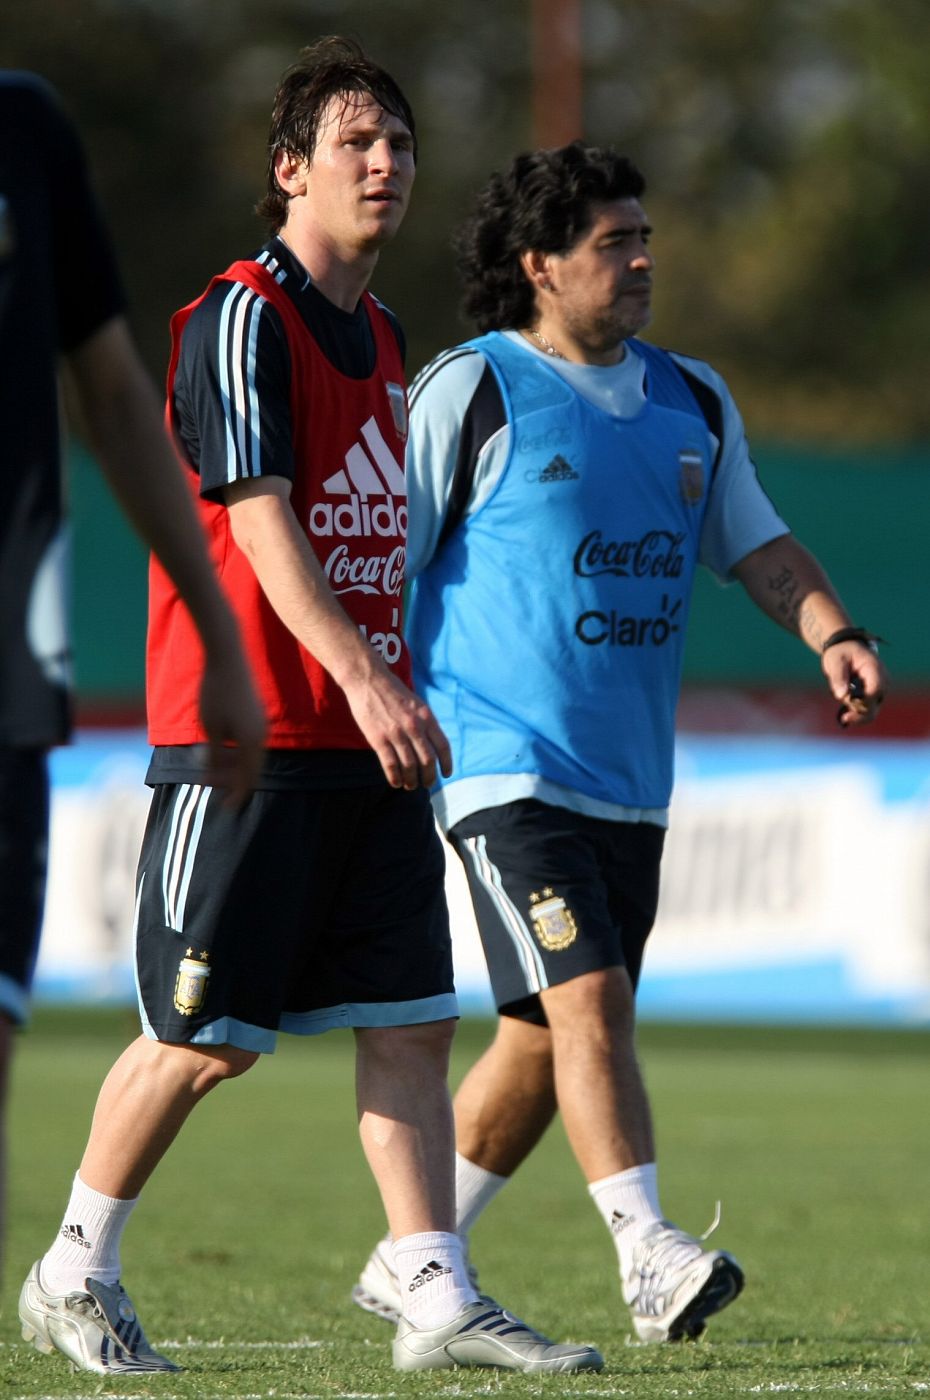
559	469
75	1235
426	1275
371	471
356	517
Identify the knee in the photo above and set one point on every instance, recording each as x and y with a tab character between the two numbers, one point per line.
214	1066
597	1006
229	1061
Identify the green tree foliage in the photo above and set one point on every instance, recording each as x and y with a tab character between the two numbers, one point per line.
786	145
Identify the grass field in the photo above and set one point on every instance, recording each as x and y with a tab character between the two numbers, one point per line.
243	1251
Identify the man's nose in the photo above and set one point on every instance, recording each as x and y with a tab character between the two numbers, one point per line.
382	156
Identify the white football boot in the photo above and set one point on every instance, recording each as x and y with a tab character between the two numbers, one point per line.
484	1334
673	1285
97	1329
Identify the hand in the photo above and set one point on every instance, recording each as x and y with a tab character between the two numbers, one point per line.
857	679
232	715
401	728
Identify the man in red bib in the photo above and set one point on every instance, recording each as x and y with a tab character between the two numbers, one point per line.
320	902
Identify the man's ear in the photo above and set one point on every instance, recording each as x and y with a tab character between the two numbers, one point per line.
290	173
538	268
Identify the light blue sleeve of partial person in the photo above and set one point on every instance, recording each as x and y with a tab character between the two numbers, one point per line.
440	397
740	515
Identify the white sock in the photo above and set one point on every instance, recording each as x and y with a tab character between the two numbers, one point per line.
432	1278
87	1245
475	1188
629	1204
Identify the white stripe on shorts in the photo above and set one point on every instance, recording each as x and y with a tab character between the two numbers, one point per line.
190	806
512	920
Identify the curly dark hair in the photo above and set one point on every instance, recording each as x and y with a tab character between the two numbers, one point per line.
332	67
541	203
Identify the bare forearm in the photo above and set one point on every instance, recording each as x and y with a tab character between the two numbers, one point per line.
791	587
397	724
266	530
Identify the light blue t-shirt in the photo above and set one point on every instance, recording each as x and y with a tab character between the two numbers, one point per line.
547	628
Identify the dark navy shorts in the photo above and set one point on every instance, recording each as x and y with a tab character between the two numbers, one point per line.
24	807
556	895
301	912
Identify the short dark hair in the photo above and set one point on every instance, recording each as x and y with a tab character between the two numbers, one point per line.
331	67
541	203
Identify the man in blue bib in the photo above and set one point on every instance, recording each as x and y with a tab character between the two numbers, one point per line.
566	479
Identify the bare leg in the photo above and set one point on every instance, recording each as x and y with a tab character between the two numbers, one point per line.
143	1104
507	1100
598	1082
585	1062
405	1123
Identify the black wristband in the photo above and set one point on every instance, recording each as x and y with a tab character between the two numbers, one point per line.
853	634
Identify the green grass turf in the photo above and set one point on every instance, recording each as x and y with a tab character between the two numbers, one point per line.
248	1239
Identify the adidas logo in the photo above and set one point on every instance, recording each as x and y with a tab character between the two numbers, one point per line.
619	1222
559	469
75	1235
426	1275
371	470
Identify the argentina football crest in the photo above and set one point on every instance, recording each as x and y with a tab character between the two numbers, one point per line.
553	922
190	987
691	475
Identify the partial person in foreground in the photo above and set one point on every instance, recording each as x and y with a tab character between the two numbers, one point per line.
320	902
62	309
566	478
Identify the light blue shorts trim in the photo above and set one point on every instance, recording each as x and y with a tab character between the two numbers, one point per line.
360	1015
14	1000
350	1015
226	1031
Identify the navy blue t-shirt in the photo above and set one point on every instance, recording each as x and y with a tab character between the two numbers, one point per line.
58	285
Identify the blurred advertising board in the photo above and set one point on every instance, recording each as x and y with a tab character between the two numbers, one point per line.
796	882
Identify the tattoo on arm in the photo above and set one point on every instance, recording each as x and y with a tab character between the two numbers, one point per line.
809	628
785	585
792	608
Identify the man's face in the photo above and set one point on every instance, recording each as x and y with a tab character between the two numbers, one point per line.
603	286
359	180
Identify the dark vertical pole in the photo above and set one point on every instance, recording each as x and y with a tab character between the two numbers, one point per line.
558	115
